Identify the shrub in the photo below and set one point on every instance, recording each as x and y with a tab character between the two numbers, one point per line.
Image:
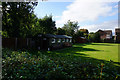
22	65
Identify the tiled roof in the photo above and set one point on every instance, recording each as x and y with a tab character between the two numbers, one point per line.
57	36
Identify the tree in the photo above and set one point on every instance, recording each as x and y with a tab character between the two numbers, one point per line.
60	31
97	37
91	37
94	37
17	19
71	27
46	25
85	32
79	34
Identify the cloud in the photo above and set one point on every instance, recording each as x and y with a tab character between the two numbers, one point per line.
116	6
113	13
106	25
83	11
80	0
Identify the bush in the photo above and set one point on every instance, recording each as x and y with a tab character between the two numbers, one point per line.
22	65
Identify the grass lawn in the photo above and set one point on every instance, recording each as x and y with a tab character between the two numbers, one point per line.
103	51
92	61
91	52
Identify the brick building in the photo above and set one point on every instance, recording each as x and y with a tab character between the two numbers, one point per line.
117	35
105	34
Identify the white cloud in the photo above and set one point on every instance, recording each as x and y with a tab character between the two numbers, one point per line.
107	25
79	0
113	13
83	11
116	6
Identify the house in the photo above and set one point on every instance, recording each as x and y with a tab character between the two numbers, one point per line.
117	35
50	41
81	40
105	34
84	31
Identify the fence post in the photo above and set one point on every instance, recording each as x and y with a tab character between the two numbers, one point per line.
15	43
27	42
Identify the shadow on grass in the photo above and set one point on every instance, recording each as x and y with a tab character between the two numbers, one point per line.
104	44
73	53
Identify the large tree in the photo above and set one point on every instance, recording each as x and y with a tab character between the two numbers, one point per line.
17	19
46	25
71	27
60	31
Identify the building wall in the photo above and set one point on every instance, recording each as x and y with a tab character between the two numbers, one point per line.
106	34
117	35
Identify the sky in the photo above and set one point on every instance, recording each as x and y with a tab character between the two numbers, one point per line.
90	14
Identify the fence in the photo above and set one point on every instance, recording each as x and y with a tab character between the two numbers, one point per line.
108	41
18	43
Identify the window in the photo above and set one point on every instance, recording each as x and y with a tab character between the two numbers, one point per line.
44	38
63	40
67	40
53	40
70	40
108	36
59	40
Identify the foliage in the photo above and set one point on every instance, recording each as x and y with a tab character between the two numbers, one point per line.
85	32
46	25
61	31
4	34
94	37
17	18
77	35
70	27
47	65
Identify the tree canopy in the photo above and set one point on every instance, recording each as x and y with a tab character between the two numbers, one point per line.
17	19
46	25
94	37
61	31
71	27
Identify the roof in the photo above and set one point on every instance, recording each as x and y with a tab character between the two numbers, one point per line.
107	30
83	37
117	30
57	36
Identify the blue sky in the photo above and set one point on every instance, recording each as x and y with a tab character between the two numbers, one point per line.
90	15
54	8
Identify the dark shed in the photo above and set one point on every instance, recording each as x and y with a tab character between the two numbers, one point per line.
50	41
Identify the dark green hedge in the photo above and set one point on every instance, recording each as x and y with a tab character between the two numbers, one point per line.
23	65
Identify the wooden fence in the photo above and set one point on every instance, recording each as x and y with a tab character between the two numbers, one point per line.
18	43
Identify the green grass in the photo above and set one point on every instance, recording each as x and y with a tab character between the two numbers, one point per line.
103	51
80	62
91	52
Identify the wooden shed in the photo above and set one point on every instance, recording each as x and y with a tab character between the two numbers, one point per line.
50	41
